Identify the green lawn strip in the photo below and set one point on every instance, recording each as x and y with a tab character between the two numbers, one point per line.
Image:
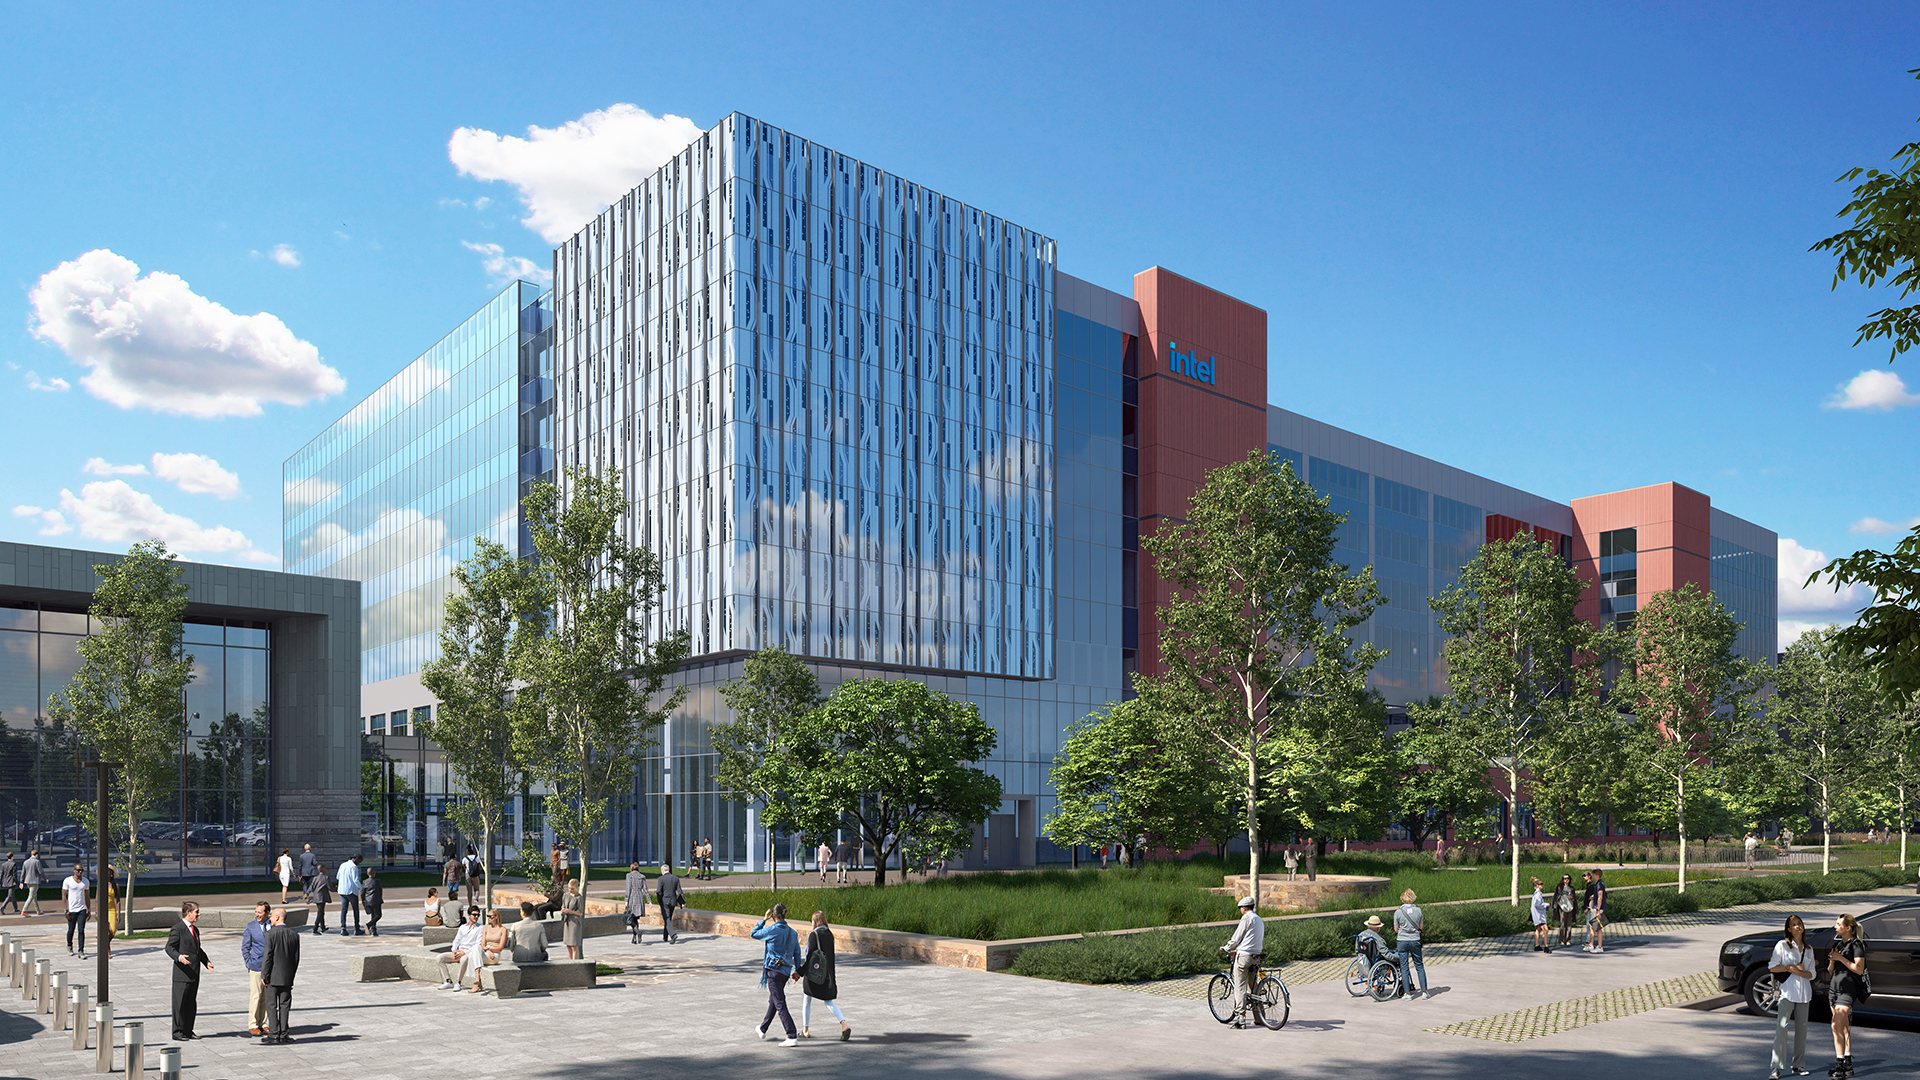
1163	954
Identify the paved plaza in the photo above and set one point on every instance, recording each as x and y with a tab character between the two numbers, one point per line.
688	1009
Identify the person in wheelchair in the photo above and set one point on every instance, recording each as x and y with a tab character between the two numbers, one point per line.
1383	974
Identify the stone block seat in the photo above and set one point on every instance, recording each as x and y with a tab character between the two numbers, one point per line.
506	979
235	918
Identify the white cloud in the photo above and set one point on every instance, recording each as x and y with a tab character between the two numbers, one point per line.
51	523
111	511
1882	391
308	492
51	386
285	255
197	474
1873	526
502	268
102	467
154	343
1804	607
568	174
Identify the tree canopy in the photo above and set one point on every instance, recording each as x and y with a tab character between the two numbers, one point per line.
1883	244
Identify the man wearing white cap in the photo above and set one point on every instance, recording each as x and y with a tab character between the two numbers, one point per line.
1246	947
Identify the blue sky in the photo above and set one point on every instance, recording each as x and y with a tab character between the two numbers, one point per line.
1562	247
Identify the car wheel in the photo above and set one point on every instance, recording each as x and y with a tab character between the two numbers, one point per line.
1763	993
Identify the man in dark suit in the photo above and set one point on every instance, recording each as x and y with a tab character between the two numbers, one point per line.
183	948
277	969
670	898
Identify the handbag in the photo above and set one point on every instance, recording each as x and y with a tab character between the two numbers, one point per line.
434	919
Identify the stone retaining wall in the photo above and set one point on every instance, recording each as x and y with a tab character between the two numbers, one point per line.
1280	894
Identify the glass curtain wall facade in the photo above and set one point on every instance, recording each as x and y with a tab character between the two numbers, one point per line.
395	492
831	394
216	821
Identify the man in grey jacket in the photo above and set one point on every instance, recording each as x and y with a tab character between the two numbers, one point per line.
636	899
10	881
670	898
32	876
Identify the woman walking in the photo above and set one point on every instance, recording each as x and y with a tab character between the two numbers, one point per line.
573	919
111	890
820	983
823	855
780	963
1540	940
1793	961
1849	982
284	867
1564	903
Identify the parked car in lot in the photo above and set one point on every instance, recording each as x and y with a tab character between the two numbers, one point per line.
1892	934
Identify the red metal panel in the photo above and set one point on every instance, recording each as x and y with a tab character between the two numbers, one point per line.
1208	413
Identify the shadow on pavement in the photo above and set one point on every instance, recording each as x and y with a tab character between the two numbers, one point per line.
18	1027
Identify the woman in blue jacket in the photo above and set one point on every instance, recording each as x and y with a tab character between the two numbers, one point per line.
780	964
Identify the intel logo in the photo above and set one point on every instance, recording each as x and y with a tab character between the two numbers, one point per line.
1185	363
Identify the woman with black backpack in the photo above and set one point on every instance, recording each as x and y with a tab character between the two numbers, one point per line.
820	982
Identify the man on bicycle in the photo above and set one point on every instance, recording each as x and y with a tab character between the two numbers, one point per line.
1246	947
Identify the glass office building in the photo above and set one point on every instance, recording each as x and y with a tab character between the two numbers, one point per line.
864	421
395	494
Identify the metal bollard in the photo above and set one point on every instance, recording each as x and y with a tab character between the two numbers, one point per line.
6	943
169	1063
42	978
136	1048
58	990
78	1008
103	1037
8	954
23	973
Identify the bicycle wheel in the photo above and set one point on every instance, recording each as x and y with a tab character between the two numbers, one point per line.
1220	997
1273	1003
1383	981
1357	977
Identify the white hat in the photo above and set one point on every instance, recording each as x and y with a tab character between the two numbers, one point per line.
1246	901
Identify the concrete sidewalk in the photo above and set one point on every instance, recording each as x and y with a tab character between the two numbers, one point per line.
691	1009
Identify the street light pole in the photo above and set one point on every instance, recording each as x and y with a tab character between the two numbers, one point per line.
101	770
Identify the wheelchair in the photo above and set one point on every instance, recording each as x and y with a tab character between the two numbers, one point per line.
1375	972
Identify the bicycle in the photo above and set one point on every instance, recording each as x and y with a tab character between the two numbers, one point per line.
1271	1001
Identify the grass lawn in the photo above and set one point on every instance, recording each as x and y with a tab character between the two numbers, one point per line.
1473	883
1160	954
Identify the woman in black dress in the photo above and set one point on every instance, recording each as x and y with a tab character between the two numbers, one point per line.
1846	974
817	966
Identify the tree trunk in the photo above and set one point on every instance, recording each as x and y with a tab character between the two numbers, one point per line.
1680	816
1826	834
486	860
1903	826
879	861
1513	832
1253	821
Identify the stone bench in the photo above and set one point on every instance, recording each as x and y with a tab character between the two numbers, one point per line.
163	918
596	926
506	979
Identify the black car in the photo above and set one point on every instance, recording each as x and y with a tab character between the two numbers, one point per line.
1892	934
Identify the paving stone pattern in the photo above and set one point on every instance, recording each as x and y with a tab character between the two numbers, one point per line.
1558	1016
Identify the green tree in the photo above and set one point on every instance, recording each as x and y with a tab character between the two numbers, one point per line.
1825	709
595	684
125	700
1523	671
1571	781
1121	773
774	687
1254	634
1895	739
893	756
1888	631
484	632
1884	243
1435	783
1691	698
1329	774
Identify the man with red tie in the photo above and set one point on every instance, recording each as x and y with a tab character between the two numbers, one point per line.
183	948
